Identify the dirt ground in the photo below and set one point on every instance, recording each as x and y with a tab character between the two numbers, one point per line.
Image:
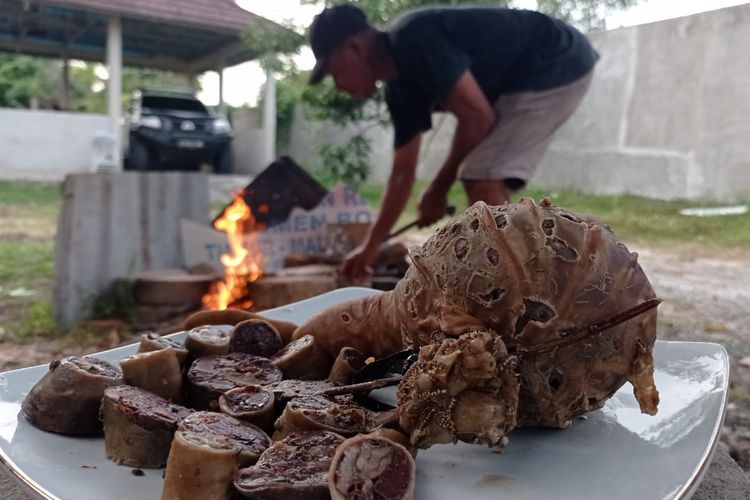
706	298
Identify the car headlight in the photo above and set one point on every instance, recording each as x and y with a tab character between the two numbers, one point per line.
150	122
222	126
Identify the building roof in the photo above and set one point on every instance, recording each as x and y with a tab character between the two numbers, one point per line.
189	36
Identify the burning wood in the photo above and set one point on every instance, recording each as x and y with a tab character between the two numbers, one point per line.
243	264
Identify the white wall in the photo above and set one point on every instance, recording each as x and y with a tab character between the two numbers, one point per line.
251	146
254	144
47	145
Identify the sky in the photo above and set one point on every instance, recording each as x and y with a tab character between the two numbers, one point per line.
242	82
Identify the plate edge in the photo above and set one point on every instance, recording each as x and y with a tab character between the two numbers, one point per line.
691	485
22	480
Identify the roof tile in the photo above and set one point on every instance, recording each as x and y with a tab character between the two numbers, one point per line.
221	14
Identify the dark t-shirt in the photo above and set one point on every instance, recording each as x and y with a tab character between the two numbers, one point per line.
507	51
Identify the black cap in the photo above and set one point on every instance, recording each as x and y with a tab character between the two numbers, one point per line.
329	29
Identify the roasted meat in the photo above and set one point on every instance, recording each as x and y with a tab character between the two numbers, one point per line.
533	275
322	413
208	340
210	376
372	468
139	426
250	403
304	359
154	342
348	362
255	336
461	389
250	440
156	371
66	399
201	466
295	468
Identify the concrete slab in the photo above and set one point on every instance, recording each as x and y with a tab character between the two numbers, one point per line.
662	176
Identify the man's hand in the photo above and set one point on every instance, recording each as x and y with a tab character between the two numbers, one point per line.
356	265
433	204
397	191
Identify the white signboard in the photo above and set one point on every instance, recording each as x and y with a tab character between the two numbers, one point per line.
304	232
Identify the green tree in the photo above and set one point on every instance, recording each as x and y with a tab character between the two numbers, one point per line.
24	79
88	90
350	161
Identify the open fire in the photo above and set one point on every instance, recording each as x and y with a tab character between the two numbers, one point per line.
243	263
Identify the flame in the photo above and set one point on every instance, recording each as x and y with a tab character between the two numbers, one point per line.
242	265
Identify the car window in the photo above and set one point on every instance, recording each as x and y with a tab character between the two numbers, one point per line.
173	103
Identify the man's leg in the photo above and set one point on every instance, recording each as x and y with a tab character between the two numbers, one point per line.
526	122
490	191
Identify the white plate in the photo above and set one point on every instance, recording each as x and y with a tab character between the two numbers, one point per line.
614	453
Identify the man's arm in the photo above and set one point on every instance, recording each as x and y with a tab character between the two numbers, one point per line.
475	121
396	195
397	190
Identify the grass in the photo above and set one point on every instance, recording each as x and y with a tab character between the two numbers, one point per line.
28	214
28	211
25	262
29	193
633	218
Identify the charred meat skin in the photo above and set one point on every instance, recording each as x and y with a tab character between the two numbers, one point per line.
295	468
139	426
210	376
372	468
66	399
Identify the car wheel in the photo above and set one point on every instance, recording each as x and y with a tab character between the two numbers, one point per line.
139	158
224	161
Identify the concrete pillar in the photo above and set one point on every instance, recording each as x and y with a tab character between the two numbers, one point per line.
191	79
269	116
65	90
114	86
116	225
222	105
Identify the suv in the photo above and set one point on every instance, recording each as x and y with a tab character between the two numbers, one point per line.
175	131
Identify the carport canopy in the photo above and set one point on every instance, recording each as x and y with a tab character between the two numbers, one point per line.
184	36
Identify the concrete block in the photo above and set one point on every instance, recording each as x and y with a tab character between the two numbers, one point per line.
115	225
724	479
610	172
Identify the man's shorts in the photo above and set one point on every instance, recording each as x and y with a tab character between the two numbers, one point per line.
526	122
